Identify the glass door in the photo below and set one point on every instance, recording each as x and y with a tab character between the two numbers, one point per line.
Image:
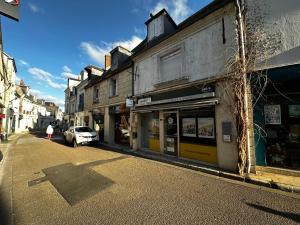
170	133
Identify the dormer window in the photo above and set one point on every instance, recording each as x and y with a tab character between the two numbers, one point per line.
155	28
158	24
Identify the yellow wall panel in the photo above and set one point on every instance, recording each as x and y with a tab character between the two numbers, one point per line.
154	144
199	152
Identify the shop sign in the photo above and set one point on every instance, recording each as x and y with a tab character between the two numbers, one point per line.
178	99
129	102
227	131
2	115
144	101
272	114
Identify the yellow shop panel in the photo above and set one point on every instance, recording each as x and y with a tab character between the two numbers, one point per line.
154	144
199	152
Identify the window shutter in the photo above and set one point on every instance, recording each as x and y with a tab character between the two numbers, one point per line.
170	66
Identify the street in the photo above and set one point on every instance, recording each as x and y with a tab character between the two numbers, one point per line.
47	182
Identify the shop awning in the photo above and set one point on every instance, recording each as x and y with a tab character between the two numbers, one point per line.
2	116
179	105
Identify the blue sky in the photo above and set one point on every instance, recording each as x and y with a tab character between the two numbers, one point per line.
55	39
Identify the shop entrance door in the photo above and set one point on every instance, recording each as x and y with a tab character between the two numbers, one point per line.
171	133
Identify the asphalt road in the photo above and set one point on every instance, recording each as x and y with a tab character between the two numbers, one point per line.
46	182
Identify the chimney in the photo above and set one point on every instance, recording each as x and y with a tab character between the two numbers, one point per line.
107	62
22	83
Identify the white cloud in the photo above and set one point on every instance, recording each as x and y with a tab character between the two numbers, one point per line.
67	69
34	8
140	31
135	10
178	9
40	74
48	98
67	73
23	62
35	92
159	6
97	53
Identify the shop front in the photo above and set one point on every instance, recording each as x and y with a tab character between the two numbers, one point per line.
277	119
120	116
182	125
98	122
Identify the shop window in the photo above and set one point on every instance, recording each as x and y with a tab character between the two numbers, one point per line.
150	131
198	126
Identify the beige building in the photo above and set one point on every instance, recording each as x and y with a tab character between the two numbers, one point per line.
180	108
107	98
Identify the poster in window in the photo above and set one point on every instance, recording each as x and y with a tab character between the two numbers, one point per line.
294	111
206	127
155	126
272	114
189	127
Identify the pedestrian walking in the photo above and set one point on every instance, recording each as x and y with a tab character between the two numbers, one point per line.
49	131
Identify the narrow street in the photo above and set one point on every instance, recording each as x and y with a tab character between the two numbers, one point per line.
51	183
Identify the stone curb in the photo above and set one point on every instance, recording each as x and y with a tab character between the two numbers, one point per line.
211	171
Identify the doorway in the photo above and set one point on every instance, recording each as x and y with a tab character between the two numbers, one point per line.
171	133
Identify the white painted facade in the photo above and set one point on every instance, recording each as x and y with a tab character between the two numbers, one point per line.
202	53
279	25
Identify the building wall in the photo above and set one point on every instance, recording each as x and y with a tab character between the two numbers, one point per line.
123	86
277	25
203	51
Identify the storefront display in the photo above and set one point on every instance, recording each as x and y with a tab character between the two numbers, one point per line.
272	114
189	127
278	115
206	128
171	135
197	137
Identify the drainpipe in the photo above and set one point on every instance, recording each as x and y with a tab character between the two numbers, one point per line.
242	50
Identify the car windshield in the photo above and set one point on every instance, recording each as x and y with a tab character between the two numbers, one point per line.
83	129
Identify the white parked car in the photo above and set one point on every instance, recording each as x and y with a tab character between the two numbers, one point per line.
80	135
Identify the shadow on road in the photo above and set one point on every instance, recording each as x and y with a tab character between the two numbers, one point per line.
1	156
5	213
57	137
291	216
76	182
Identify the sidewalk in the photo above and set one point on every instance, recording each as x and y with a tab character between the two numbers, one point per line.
270	180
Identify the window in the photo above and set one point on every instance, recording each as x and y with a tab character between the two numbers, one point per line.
155	28
171	66
96	94
83	129
113	87
81	102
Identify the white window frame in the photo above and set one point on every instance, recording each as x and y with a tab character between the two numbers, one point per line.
179	47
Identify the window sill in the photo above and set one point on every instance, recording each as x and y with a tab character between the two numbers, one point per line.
113	96
172	82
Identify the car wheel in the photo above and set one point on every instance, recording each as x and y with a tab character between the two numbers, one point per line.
75	145
65	140
93	143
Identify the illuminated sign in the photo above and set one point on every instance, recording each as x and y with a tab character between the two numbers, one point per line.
10	8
